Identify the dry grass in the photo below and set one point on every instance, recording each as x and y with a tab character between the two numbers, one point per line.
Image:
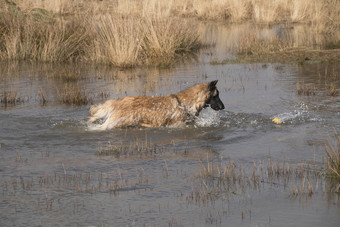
320	13
168	38
253	43
323	13
146	32
37	36
127	42
115	39
118	41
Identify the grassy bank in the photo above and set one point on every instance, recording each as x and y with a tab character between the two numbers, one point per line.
142	32
36	34
289	55
323	13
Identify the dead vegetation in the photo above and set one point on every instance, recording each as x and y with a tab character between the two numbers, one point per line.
305	89
206	183
321	13
132	33
11	98
143	149
305	179
137	148
41	36
225	180
332	150
327	83
73	94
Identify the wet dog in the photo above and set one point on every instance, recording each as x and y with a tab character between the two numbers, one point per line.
171	110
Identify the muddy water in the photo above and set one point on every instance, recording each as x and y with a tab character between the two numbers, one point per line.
56	171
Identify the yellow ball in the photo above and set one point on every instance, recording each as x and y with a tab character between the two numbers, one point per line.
277	120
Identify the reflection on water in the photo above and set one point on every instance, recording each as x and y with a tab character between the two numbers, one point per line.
54	171
225	41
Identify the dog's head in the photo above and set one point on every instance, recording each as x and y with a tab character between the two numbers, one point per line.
214	100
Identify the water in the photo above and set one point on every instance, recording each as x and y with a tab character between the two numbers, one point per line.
51	173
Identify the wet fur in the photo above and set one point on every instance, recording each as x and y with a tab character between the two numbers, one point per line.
171	110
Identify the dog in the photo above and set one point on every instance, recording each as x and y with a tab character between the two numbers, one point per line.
174	110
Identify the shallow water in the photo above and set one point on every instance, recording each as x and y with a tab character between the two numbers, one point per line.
51	173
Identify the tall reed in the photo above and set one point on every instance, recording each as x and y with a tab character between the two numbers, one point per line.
37	36
167	38
320	13
118	41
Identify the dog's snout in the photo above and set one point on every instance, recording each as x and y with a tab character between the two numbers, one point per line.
221	105
216	104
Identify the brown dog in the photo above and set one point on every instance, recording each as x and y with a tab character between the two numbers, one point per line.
171	110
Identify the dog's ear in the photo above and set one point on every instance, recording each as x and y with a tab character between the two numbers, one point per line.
212	85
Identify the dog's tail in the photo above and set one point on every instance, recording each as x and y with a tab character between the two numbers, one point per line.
98	112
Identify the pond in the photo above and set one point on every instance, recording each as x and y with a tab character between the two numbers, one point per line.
233	167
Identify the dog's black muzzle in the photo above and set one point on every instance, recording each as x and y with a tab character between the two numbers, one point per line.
216	103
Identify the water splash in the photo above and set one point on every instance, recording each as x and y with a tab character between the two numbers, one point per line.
300	115
69	124
208	118
290	117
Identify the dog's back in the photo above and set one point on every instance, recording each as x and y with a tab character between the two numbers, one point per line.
145	111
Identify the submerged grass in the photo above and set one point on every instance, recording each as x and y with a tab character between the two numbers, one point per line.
332	151
142	149
229	179
80	181
73	94
305	89
327	84
206	184
305	179
11	98
137	148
